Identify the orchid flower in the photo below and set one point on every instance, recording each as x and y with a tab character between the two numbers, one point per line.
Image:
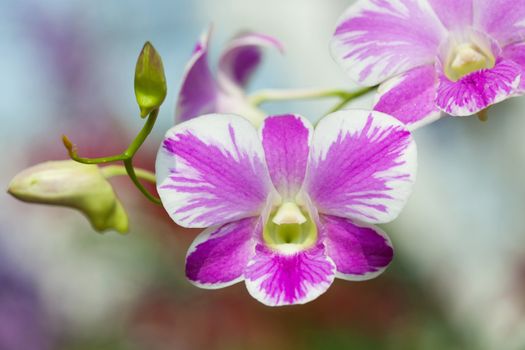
287	209
456	56
202	92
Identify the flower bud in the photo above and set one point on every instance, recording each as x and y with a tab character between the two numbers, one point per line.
74	185
150	82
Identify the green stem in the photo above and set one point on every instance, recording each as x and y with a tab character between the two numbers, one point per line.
269	95
128	164
119	170
127	154
102	160
126	157
142	135
350	97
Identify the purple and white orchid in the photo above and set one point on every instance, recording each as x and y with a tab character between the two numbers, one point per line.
202	92
287	209
456	56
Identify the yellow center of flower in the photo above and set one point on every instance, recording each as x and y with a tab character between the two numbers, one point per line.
466	58
289	229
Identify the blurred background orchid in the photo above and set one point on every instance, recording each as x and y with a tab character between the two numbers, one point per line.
457	281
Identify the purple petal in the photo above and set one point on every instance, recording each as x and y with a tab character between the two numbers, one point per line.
516	53
199	91
243	55
378	39
359	252
277	280
286	142
410	97
362	166
218	256
454	14
478	90
503	20
211	170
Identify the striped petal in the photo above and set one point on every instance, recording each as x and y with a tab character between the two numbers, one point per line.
478	90
298	278
286	142
454	14
503	20
516	53
376	39
410	97
211	170
360	252
362	166
219	255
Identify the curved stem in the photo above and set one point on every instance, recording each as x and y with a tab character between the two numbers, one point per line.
142	135
128	164
269	95
350	97
126	157
72	151
119	170
127	154
264	96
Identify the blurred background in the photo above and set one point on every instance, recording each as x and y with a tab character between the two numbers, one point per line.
458	278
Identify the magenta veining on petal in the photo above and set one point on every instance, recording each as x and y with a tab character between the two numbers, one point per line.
398	42
285	207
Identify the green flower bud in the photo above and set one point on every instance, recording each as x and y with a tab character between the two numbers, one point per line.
71	184
150	82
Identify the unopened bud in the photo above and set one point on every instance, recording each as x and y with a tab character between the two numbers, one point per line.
71	184
150	82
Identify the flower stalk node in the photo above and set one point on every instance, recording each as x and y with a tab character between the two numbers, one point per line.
126	156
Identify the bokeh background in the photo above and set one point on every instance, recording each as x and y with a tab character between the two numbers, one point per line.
458	278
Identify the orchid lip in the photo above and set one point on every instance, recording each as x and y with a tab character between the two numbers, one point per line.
289	229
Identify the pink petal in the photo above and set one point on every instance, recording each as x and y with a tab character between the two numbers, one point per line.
516	53
359	252
218	256
478	90
362	166
211	170
410	97
277	280
286	142
378	39
454	14
503	20
243	55
199	91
